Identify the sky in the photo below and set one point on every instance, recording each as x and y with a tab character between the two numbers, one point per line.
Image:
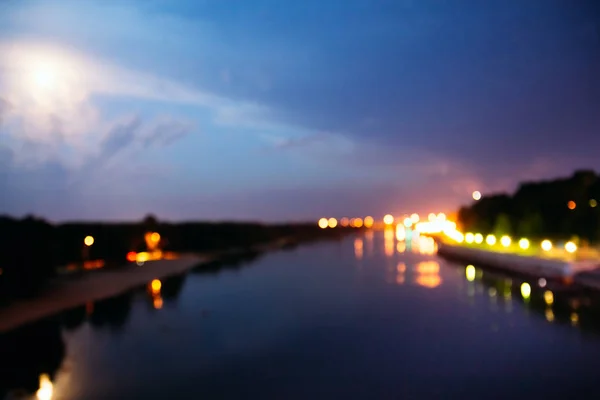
277	110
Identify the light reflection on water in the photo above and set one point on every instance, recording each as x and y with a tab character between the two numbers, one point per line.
228	331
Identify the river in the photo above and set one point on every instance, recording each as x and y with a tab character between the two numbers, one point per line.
364	317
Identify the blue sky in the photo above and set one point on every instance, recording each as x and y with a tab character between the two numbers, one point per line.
273	110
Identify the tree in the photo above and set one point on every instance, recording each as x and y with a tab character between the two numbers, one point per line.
502	225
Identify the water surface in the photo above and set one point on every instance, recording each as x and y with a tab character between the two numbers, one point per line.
365	317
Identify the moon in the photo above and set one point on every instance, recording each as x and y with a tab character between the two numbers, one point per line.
44	76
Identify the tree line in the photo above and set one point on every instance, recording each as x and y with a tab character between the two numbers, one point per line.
559	209
31	249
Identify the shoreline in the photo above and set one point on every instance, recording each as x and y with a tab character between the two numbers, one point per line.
574	274
69	292
66	294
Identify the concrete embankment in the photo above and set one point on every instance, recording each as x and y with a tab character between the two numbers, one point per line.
550	269
65	294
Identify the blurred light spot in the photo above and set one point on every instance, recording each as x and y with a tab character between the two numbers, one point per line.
401	267
492	292
323	223
344	222
401	247
358	248
428	267
542	282
525	290
431	217
46	388
131	256
593	203
470	273
571	204
574	318
549	315
429	281
400	232
332	222
388	219
570	247
369	221
490	240
407	222
469	238
155	285
142	256
414	218
88	241
505	241
478	238
524	244
476	195
157	302
358	222
548	297
388	236
155	237
546	245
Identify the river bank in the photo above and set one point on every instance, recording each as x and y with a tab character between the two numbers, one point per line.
556	271
65	294
72	291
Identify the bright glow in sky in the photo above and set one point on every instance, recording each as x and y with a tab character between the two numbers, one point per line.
191	111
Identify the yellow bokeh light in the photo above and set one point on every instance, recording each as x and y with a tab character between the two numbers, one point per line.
414	218
524	244
88	241
593	203
344	221
369	221
431	217
548	297
525	290
388	219
546	245
478	238
323	223
570	247
332	222
155	285
155	237
490	240
142	257
358	222
469	238
470	273
46	389
476	195
505	241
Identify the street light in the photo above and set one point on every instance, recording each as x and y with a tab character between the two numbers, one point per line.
88	241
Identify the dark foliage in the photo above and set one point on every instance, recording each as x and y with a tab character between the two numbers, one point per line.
31	249
540	209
